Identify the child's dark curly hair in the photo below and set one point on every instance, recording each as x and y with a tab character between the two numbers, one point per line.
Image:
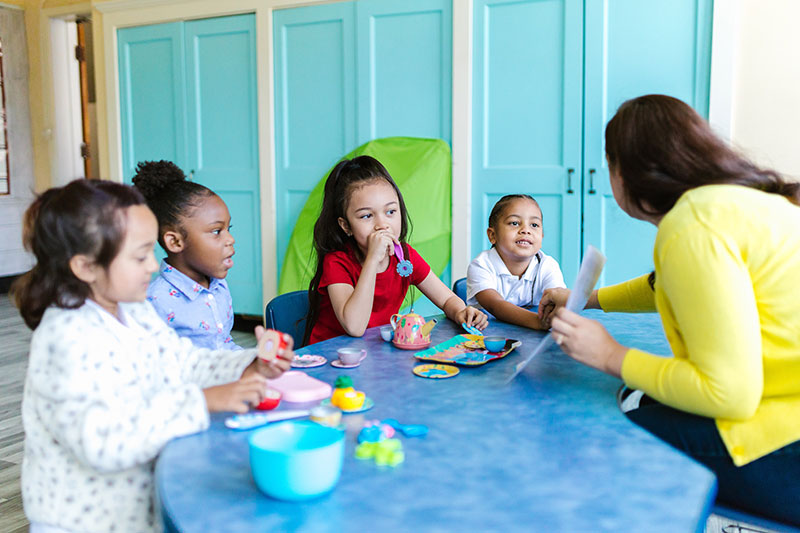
168	193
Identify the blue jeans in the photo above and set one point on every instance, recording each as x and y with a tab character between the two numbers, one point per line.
769	486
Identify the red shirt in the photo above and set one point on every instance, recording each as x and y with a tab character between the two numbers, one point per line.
390	289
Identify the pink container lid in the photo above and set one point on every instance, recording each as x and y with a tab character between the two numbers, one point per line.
298	387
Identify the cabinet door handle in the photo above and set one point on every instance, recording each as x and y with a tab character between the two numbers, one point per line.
592	190
191	175
570	172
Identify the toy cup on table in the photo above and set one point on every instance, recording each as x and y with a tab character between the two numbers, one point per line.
387	333
494	344
351	356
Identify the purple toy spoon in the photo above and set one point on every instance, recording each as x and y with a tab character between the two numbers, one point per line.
404	267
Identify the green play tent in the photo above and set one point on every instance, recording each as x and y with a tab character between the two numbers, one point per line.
422	170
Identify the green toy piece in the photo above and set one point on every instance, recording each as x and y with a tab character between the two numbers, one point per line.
423	172
388	452
343	382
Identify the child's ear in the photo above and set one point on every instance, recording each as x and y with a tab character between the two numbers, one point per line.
83	268
490	234
345	226
174	242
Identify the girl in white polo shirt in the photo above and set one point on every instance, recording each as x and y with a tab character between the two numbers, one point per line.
510	277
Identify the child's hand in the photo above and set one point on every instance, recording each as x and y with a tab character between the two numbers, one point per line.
238	396
472	317
280	364
380	245
552	300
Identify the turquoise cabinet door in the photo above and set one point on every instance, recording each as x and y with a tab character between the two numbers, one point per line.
152	101
222	138
404	68
188	95
635	48
527	116
350	72
315	103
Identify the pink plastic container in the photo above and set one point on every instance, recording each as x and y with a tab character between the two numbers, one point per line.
298	387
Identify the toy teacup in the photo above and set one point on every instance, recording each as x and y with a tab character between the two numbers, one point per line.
351	356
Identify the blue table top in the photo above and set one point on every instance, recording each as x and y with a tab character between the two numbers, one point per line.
548	452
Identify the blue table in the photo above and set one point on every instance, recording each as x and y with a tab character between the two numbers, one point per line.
549	452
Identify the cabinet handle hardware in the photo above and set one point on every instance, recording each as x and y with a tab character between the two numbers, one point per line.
570	171
592	190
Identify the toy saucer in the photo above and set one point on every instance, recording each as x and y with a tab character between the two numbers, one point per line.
368	404
418	346
338	364
435	371
308	361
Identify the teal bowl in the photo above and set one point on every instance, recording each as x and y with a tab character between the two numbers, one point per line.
494	344
296	461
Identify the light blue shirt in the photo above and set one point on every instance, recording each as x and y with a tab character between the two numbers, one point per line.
205	316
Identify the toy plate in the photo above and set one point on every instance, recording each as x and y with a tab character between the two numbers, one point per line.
368	404
464	350
308	361
435	371
339	364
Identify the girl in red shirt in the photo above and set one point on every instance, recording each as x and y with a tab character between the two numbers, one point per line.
357	284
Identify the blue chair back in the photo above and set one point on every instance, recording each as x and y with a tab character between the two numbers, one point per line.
287	313
460	288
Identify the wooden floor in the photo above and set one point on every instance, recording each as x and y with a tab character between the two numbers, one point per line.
14	341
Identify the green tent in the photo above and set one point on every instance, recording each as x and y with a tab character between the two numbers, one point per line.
423	171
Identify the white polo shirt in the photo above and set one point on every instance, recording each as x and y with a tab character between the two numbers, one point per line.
487	271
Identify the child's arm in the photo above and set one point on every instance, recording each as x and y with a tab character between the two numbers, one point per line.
453	306
492	301
353	305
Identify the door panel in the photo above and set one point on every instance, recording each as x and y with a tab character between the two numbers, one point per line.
315	103
404	68
527	116
151	89
635	48
222	120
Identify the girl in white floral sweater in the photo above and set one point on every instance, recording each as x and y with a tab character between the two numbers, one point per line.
109	383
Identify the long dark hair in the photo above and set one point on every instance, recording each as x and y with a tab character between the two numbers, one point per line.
328	235
168	193
83	217
662	148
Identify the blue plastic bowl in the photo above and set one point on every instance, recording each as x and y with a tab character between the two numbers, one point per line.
296	460
494	344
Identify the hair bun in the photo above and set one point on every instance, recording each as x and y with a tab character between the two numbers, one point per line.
152	177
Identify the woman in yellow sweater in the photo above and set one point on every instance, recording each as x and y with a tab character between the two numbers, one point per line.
727	286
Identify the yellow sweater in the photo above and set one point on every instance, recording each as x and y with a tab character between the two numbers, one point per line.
727	263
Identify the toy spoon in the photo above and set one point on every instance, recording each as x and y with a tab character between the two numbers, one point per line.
404	266
409	430
472	330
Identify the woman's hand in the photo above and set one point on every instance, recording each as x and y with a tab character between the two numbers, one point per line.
588	342
238	396
472	317
279	365
552	300
380	245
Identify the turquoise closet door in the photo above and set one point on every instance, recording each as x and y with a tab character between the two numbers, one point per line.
188	95
152	95
527	116
222	139
350	72
315	103
635	48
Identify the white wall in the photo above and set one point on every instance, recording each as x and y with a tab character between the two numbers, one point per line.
13	259
765	110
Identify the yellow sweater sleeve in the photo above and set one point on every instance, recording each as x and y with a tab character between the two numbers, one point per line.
633	296
708	307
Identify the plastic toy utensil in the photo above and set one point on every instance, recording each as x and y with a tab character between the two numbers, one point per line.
409	430
254	420
472	330
404	266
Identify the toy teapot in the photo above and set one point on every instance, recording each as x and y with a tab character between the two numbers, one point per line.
411	331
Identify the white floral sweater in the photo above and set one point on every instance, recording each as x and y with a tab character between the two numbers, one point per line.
101	400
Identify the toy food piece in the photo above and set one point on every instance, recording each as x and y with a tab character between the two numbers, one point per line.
270	343
326	415
388	452
271	400
344	396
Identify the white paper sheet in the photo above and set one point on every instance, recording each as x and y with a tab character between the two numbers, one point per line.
591	267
